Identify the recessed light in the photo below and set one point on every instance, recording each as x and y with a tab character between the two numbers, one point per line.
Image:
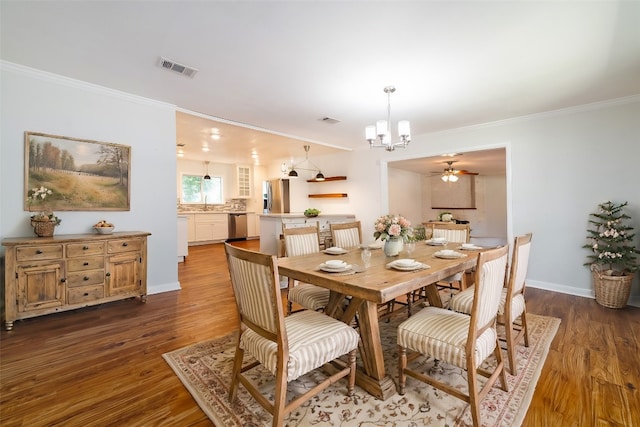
205	149
215	137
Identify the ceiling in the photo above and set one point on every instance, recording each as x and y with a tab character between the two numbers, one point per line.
280	68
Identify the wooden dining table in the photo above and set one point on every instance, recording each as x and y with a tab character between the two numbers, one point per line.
366	288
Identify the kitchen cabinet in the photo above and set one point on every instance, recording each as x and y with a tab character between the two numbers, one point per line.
183	236
191	228
271	227
211	227
243	182
65	272
252	225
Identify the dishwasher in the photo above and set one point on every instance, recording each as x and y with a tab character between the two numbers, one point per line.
237	226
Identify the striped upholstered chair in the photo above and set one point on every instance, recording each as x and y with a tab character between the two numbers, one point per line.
346	235
304	241
289	346
458	339
512	303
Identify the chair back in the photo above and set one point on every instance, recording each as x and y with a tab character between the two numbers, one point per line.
254	277
301	240
458	233
489	282
347	234
519	264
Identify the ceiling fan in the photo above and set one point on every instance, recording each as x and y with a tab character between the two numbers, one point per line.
450	174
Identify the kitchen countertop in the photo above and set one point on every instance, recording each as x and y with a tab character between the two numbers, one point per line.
213	212
301	215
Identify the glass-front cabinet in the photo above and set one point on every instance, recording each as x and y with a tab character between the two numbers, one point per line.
243	180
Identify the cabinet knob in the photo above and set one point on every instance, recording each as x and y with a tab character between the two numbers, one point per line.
125	244
38	251
85	263
84	248
85	278
108	274
63	280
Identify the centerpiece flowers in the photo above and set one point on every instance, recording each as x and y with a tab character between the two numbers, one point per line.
613	259
392	229
45	220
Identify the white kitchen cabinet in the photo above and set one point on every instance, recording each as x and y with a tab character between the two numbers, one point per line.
211	227
271	227
243	181
191	228
252	224
183	246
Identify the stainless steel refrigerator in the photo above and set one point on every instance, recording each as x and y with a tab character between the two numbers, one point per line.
277	196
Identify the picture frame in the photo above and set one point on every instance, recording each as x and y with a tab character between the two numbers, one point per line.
82	174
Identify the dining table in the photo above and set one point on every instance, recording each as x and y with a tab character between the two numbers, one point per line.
356	291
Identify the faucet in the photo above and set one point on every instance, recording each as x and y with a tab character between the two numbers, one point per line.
205	202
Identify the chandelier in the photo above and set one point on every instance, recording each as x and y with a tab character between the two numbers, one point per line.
449	174
379	136
292	169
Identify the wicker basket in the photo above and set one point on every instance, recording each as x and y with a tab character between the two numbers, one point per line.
43	228
612	291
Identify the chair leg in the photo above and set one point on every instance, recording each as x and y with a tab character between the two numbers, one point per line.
508	330
280	400
291	284
525	328
474	401
500	365
352	373
237	367
402	364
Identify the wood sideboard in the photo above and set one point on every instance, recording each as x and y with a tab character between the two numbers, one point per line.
46	275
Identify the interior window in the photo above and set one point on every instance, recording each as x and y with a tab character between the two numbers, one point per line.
195	189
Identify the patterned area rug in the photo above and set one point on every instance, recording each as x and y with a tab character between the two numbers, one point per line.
205	370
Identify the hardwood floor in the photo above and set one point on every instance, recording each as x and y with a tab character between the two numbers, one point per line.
102	365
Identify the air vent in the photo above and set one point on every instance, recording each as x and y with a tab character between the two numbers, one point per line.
168	64
330	120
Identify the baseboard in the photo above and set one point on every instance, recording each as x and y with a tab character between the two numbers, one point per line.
634	300
163	287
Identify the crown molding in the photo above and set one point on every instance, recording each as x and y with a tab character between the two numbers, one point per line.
79	84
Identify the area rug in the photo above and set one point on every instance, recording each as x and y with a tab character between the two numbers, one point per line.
205	370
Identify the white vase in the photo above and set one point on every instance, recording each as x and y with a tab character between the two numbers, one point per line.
393	246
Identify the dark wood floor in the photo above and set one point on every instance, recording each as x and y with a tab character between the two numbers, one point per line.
102	366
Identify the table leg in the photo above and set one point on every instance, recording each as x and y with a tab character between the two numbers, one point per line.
374	380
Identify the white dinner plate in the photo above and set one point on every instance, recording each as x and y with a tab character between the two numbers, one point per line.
329	269
454	255
416	266
334	251
439	243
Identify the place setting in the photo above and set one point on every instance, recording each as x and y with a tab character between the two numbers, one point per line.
336	266
334	250
449	254
437	241
407	264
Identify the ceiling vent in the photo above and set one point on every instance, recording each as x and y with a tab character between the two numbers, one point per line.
330	120
168	64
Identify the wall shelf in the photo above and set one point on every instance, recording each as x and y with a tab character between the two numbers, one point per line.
329	178
327	195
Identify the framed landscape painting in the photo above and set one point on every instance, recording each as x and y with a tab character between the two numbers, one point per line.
83	175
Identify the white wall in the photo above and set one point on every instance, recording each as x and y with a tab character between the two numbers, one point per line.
406	195
39	102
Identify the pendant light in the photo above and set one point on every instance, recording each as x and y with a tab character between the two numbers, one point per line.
206	176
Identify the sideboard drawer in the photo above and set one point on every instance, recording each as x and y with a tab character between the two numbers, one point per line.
83	249
128	245
84	278
37	253
82	264
85	294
